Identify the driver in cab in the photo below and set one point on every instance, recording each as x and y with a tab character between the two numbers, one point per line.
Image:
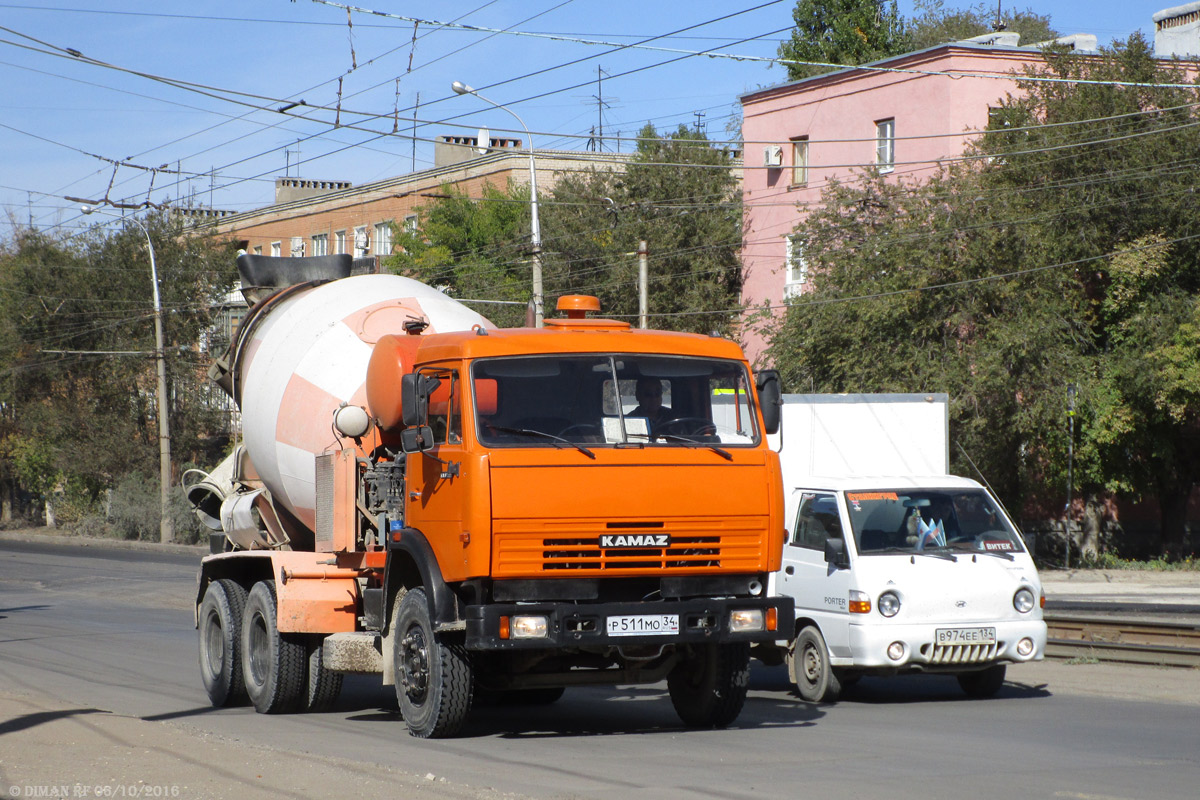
649	396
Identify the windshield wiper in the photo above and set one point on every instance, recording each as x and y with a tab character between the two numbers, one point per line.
557	439
931	554
997	553
670	437
908	551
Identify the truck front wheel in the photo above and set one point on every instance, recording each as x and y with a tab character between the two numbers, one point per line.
808	665
221	642
434	683
708	688
273	664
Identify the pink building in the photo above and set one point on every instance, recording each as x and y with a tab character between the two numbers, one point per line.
900	116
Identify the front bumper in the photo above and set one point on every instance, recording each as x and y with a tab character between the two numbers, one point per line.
869	645
572	625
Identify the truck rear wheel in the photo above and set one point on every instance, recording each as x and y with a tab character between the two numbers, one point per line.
434	683
273	663
221	642
324	685
984	683
809	667
708	688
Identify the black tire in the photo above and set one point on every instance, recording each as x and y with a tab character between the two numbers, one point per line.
810	670
434	683
708	688
273	664
221	643
983	683
323	686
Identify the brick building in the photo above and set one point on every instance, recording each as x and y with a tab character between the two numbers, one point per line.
901	116
312	217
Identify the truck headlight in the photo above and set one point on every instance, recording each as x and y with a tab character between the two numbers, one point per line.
1023	600
745	620
528	626
889	604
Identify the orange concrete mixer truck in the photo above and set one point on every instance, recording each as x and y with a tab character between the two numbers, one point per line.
477	513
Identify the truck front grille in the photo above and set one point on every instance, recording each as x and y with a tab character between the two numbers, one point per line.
964	653
702	546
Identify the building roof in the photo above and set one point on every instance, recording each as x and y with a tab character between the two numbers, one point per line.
996	45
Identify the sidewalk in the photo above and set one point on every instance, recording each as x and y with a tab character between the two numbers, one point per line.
1174	593
55	536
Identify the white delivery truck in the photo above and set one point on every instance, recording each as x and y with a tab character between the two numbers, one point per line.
895	565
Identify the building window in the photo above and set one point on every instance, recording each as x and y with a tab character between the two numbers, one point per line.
795	266
361	241
800	161
297	247
258	250
383	239
276	249
410	223
885	145
320	244
339	242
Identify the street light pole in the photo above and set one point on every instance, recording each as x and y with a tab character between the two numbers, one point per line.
535	231
166	526
1070	466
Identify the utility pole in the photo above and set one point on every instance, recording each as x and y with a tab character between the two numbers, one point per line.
1070	465
643	280
166	526
416	112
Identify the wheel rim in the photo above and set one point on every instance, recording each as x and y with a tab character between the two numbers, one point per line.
416	665
259	645
214	643
811	664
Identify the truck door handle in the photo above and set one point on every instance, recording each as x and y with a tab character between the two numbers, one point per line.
790	570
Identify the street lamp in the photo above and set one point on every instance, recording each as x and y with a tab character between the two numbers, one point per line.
166	527
535	231
1071	391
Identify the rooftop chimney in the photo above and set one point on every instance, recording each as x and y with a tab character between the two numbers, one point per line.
1177	31
456	149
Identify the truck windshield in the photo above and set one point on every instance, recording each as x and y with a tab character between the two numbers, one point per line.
942	520
614	399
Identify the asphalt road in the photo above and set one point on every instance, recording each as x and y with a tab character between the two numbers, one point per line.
100	697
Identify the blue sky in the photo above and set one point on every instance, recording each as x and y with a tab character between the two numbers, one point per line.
64	122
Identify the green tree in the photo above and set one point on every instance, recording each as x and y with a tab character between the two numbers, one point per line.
70	308
472	248
935	24
677	193
997	282
845	32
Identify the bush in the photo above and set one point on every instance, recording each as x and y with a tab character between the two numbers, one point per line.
1159	564
133	510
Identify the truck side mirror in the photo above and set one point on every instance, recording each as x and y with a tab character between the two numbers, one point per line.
416	439
835	553
770	398
415	390
412	411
